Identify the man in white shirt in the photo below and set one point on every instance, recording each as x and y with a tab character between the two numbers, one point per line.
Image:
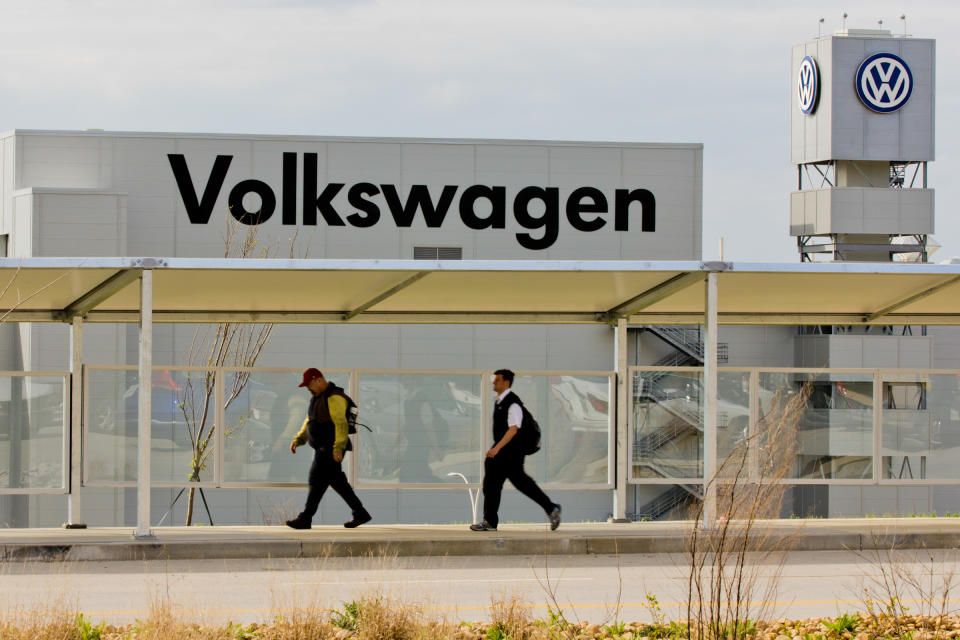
504	460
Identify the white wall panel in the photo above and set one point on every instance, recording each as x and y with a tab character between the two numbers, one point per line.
22	232
7	146
511	346
65	161
495	160
439	161
369	161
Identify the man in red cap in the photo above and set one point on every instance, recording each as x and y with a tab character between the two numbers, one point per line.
325	429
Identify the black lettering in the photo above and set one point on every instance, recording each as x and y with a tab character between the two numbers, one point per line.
418	198
356	198
268	202
497	197
311	203
549	221
648	204
289	215
576	207
199	211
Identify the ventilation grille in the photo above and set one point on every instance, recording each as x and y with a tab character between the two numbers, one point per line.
438	253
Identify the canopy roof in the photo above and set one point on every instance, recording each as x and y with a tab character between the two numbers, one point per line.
473	291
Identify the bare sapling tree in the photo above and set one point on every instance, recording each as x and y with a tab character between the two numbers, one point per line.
906	591
226	344
725	587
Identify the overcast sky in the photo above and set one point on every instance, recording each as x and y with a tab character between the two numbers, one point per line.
711	72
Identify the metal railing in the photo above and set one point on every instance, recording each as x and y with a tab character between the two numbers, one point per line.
851	425
426	425
667	502
685	339
855	429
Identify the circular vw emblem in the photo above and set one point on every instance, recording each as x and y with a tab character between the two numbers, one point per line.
808	85
884	82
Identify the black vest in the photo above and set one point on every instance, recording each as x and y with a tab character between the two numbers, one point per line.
500	426
321	432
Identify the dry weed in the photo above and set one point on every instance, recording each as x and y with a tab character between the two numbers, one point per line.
906	591
301	624
38	625
277	514
724	581
380	617
53	619
510	614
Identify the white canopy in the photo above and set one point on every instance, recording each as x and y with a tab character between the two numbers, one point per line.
475	291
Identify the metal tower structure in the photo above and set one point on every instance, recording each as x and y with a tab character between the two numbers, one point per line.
862	133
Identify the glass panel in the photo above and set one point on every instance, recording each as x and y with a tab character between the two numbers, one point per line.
831	429
111	415
733	421
32	426
667	424
921	427
905	395
425	426
182	414
574	417
266	412
667	501
680	502
818	501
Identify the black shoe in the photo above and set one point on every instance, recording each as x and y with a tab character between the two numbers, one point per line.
298	523
358	520
482	526
554	518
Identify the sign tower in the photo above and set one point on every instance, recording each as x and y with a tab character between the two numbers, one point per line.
861	135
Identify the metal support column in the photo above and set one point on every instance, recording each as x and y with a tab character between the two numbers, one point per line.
710	401
621	449
74	500
145	387
877	428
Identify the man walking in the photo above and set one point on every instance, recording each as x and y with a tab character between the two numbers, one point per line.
325	429
504	460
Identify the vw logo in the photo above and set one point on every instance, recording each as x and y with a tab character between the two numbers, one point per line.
808	85
884	82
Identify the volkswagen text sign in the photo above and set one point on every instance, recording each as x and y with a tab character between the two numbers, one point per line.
808	85
480	206
884	82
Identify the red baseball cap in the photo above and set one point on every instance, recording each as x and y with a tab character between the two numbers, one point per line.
310	374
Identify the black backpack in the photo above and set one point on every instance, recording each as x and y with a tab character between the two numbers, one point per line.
352	412
529	432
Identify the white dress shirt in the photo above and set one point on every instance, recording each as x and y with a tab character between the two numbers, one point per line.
514	414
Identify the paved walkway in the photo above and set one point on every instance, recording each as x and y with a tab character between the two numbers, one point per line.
185	543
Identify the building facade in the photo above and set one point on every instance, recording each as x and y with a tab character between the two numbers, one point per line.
106	194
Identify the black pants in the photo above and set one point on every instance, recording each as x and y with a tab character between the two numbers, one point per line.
327	472
508	466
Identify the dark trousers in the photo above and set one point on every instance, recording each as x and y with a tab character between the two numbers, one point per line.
327	472
508	466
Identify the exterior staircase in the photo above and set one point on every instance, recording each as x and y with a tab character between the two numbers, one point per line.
668	501
658	387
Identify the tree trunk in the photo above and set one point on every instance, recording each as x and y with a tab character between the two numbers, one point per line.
190	493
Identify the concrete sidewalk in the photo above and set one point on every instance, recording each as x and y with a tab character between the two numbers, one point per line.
185	543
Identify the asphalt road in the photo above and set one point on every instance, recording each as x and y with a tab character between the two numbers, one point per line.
585	587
